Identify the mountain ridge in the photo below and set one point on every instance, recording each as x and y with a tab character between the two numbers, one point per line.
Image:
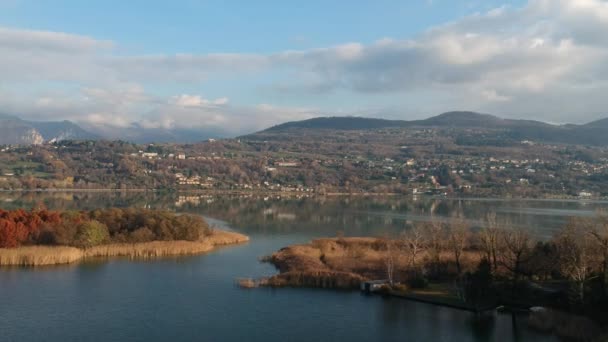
592	133
453	118
16	131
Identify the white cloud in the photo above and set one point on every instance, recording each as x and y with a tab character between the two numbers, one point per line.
223	117
540	59
186	100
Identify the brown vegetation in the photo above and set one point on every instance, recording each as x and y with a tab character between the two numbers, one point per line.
498	264
39	255
53	255
350	260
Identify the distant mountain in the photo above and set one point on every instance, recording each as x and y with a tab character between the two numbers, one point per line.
62	130
593	133
601	123
143	135
15	131
338	123
449	119
472	119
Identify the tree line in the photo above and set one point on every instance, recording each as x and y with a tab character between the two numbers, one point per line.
84	229
499	261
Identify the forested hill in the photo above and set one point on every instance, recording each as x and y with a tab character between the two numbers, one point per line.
593	133
338	123
449	119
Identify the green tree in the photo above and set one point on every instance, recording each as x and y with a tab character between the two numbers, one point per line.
91	233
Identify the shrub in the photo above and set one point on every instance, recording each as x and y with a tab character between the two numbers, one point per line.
418	282
91	233
143	234
63	234
188	227
400	287
384	290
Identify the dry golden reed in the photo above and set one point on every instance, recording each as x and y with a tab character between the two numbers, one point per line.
55	255
39	256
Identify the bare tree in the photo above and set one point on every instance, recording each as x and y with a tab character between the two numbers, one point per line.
598	229
576	256
414	242
516	251
435	241
390	260
489	240
458	239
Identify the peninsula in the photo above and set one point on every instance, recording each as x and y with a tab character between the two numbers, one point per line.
564	279
42	237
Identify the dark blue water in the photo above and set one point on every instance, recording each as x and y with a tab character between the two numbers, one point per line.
195	299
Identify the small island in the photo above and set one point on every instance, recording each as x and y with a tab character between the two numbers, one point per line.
562	281
42	237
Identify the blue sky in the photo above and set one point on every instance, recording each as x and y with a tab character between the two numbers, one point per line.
238	66
140	26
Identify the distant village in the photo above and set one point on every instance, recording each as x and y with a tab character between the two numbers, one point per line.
532	170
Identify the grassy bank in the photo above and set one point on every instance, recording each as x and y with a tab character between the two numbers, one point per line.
327	263
54	255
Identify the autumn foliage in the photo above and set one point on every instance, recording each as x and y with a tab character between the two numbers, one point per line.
18	227
86	229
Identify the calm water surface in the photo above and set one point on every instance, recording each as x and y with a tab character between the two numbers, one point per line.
194	298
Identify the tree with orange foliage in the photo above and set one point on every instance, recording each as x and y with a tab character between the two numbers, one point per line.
12	234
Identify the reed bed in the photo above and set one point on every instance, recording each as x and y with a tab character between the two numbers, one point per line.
319	264
345	262
319	279
39	256
55	255
223	237
148	250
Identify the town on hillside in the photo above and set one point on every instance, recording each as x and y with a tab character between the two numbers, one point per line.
414	161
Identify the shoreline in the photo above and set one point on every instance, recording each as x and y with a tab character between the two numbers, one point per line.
386	267
506	197
32	256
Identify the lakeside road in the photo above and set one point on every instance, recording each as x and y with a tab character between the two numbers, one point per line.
56	255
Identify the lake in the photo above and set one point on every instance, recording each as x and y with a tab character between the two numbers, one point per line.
195	299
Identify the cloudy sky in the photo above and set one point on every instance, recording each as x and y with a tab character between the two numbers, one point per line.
239	66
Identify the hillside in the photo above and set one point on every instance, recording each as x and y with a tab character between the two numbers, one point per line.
338	123
449	119
472	119
460	123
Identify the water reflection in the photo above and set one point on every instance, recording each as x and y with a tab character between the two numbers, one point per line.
325	215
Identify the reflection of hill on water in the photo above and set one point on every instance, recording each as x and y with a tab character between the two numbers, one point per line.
377	216
84	200
325	216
